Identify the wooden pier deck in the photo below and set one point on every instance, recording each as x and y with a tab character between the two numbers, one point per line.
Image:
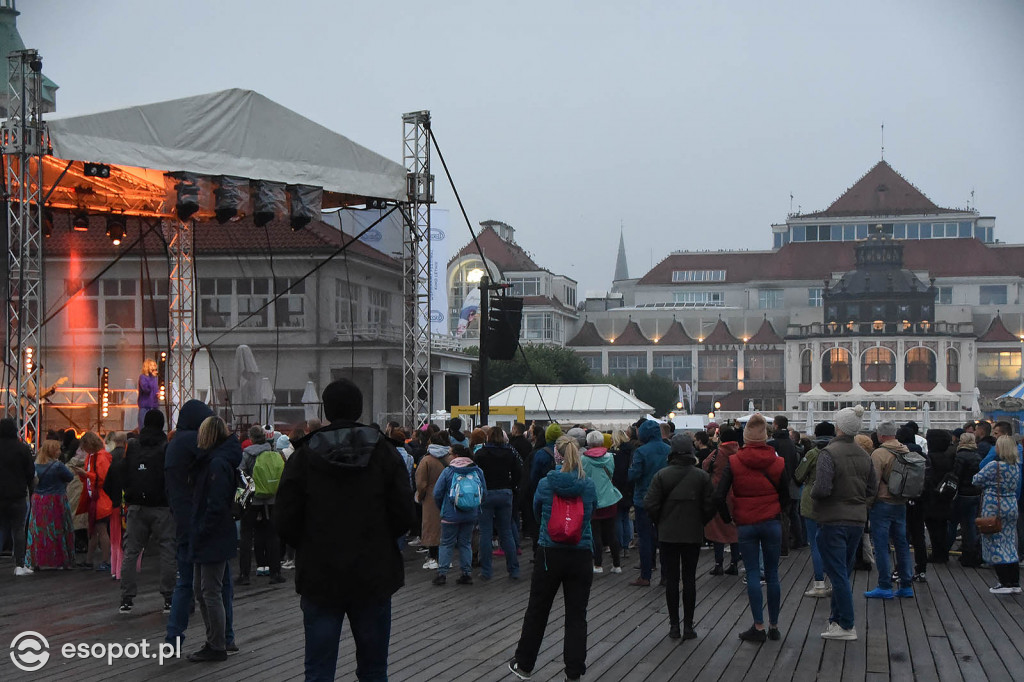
953	630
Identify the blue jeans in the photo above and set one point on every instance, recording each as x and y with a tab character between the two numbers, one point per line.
838	547
645	541
757	539
370	622
182	600
457	535
890	520
497	507
625	527
812	539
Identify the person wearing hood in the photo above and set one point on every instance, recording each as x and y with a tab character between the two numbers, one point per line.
599	466
502	471
966	463
256	525
888	518
458	493
648	459
805	475
757	477
429	470
543	462
622	452
17	475
179	462
942	455
350	567
679	501
455	434
565	564
149	517
717	530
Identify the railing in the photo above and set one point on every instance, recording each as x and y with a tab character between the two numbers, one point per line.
937	419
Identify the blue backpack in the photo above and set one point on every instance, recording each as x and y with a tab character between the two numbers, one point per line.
465	491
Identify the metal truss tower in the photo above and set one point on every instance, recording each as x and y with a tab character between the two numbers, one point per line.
416	393
180	378
24	144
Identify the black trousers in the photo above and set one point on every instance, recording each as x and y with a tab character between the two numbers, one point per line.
940	544
915	533
257	528
680	559
602	530
573	571
1008	574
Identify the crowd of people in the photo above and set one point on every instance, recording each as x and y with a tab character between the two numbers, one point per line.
886	498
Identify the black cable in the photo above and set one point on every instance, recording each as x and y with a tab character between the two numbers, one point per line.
480	250
277	322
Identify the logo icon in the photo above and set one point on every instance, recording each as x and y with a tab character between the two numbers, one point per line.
436	234
373	236
436	316
29	651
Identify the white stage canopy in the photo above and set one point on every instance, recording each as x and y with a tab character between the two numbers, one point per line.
602	405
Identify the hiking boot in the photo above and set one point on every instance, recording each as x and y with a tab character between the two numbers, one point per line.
879	593
208	655
440	580
126	605
464	579
732	570
754	635
835	631
517	671
717	570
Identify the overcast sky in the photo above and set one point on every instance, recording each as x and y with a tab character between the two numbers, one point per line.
688	122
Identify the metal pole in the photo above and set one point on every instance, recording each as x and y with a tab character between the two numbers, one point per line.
485	291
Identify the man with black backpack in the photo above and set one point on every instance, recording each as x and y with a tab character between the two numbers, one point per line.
888	515
141	474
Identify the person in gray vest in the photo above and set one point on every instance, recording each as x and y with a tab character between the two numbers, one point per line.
845	481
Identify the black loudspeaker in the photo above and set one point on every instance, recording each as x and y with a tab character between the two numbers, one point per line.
231	195
504	320
269	200
306	202
187	202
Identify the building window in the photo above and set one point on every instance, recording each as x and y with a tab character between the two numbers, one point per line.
84	305
920	365
290	308
119	302
524	286
814	299
215	303
805	367
835	366
154	304
699	299
769	299
998	365
952	366
698	275
878	364
538	327
945	295
593	362
762	367
346	304
252	295
992	294
624	364
570	296
378	307
714	367
678	368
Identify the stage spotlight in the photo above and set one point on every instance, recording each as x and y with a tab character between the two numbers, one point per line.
306	202
36	64
47	223
80	221
115	228
268	200
97	170
187	188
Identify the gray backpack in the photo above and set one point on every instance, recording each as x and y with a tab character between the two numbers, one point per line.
907	477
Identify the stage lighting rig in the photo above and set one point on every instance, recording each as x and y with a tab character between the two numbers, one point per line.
116	228
97	170
80	221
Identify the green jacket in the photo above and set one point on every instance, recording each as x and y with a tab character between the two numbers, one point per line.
679	500
804	476
599	465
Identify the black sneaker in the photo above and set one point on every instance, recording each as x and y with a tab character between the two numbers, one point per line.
167	604
673	631
126	605
207	655
464	579
732	570
774	634
440	580
231	649
688	632
717	570
276	579
517	671
754	635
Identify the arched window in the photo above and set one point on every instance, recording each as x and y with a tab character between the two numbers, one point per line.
920	366
805	367
952	366
835	366
878	365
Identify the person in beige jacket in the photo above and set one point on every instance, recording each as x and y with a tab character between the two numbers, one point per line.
888	518
429	470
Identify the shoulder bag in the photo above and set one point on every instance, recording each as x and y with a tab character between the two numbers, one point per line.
990	525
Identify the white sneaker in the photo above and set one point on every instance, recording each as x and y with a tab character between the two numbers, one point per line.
1015	590
819	590
415	542
23	570
999	589
598	569
431	565
616	569
834	631
288	565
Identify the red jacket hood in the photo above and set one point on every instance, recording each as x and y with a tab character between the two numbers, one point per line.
596	452
759	456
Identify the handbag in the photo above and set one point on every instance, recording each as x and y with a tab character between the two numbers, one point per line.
946	490
243	497
990	525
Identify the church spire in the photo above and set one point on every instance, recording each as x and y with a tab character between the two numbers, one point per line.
621	269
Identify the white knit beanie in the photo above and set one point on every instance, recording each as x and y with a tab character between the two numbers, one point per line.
849	420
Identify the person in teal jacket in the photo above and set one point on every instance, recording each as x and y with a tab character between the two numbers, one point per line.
568	566
648	459
599	466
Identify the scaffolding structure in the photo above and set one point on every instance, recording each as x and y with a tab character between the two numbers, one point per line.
416	362
181	322
24	144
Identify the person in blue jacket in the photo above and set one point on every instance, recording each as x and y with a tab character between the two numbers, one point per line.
213	540
457	524
543	461
569	566
648	459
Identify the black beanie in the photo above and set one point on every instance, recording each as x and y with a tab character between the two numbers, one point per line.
342	401
154	419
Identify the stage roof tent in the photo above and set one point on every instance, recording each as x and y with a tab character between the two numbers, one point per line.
231	132
602	405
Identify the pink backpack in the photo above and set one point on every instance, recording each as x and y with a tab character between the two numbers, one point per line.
566	523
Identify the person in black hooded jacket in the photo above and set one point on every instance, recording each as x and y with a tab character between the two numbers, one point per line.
142	478
343	502
17	473
942	455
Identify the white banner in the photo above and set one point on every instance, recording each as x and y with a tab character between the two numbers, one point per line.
439	248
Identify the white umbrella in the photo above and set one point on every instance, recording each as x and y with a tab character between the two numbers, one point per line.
267	400
810	417
246	400
976	404
750	406
874	417
927	415
310	401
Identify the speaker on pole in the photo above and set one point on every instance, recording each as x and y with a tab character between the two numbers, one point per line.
504	321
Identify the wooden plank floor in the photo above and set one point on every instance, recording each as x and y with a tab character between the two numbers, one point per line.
953	630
